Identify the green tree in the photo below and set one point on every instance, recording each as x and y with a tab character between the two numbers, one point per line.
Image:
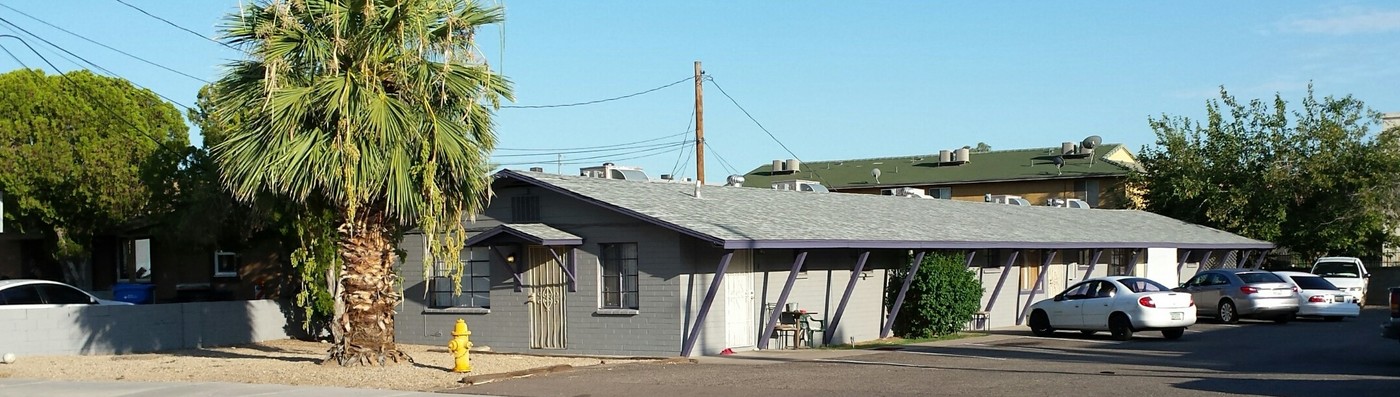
1316	179
83	155
378	111
943	296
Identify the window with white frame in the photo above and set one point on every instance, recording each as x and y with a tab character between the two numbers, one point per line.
475	282
225	264
619	276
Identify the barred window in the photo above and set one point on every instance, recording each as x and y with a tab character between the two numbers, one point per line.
619	289
525	209
475	282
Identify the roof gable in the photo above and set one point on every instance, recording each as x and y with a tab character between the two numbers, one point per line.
738	217
993	166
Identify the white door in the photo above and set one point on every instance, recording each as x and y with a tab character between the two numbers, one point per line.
739	328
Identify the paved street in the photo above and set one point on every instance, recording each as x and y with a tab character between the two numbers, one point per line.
1304	358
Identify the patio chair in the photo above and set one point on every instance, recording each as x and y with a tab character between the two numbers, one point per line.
811	325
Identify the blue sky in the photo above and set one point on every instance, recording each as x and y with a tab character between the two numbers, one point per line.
831	80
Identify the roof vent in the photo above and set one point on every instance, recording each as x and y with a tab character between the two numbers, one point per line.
955	157
791	166
1068	203
734	180
610	171
536	169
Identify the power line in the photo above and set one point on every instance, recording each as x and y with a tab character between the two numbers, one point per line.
722	161
99	67
167	22
663	149
585	151
688	78
689	123
104	45
79	89
555	150
711	79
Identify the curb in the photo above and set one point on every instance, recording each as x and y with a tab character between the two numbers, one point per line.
479	379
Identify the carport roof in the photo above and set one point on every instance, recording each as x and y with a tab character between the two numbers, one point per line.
750	218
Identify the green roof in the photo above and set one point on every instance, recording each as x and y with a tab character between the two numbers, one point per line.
993	166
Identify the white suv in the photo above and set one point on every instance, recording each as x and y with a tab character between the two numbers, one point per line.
1346	273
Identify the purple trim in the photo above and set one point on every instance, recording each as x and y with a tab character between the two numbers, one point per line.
573	282
970	254
573	269
694	334
1263	255
1039	283
1243	258
1093	263
1005	271
1137	254
846	297
532	239
930	245
782	300
1181	262
515	273
899	299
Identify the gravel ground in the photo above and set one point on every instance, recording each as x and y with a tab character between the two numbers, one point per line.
286	362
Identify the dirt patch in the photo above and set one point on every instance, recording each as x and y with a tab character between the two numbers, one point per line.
285	362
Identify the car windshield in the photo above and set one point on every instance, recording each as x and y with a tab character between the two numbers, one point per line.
1142	285
1256	278
1313	282
1336	269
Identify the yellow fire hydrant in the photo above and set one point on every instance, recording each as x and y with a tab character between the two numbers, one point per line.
460	346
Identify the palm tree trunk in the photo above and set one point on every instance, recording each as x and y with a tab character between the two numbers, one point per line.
367	292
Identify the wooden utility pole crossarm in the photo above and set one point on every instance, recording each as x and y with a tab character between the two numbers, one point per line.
699	124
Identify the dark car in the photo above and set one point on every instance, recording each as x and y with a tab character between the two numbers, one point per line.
1232	294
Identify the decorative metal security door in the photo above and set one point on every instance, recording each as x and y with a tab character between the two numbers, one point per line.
548	285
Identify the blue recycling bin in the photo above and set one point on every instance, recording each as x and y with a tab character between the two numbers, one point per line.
138	293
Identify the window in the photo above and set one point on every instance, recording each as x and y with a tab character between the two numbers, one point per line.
1087	190
525	209
1029	274
619	263
1079	291
64	295
475	282
21	295
1119	263
992	258
1143	285
225	264
942	193
1256	278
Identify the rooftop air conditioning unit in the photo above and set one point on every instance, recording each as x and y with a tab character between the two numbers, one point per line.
610	171
904	192
800	185
1068	203
1006	199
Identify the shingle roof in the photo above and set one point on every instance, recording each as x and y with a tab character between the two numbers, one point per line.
533	232
741	217
997	165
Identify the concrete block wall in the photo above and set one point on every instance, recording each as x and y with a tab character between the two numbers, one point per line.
820	287
99	330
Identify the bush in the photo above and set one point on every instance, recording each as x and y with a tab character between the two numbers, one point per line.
942	298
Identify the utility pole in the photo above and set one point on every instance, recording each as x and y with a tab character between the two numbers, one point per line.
699	124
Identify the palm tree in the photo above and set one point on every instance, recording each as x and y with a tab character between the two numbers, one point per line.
378	110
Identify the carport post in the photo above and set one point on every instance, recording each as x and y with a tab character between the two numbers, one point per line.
705	305
899	299
782	300
1243	259
1039	281
1205	260
1136	255
846	297
1263	254
970	254
1181	262
1005	271
1093	263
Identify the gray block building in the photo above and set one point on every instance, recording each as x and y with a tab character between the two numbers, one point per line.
581	265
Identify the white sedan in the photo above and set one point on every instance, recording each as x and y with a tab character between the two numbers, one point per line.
39	294
1120	305
1319	297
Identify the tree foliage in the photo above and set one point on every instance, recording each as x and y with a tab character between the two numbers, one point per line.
379	111
83	155
1315	179
942	298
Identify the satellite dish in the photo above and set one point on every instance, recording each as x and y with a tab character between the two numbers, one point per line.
1059	163
875	172
1091	142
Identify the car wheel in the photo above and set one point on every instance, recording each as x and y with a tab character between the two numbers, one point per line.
1040	324
1332	318
1088	332
1173	333
1227	312
1120	327
1284	319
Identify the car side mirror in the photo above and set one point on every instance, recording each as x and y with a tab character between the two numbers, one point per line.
1059	297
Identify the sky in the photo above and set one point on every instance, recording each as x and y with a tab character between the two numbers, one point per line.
817	80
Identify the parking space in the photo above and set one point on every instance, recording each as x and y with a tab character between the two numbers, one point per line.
1302	358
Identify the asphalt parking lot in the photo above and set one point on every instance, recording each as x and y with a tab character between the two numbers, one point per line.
1303	358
